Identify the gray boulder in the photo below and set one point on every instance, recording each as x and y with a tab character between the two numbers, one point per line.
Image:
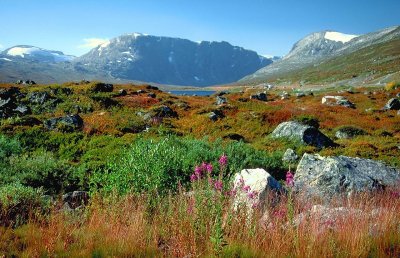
252	186
348	132
337	101
300	94
259	96
215	115
38	97
304	133
164	112
102	87
327	176
221	100
290	156
66	123
392	104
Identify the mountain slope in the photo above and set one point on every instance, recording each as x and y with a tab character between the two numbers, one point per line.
35	54
308	54
172	60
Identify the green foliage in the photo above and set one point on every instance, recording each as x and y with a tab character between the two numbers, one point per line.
8	147
18	202
160	165
40	170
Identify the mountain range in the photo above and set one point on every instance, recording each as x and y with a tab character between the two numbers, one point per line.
328	56
320	58
136	57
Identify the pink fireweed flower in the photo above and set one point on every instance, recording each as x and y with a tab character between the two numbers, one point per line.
246	188
193	177
218	185
223	160
289	179
198	171
209	168
231	193
252	194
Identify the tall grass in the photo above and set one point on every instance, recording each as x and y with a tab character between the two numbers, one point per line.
136	226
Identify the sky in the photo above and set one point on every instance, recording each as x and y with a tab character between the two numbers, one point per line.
268	27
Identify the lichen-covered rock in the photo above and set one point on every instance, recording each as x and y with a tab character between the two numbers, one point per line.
392	104
327	176
348	132
221	100
303	133
259	96
290	156
337	101
252	186
66	123
102	87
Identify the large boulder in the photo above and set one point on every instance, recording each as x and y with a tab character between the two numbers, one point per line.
259	96
327	176
290	156
337	101
221	100
39	97
66	123
348	132
164	112
252	188
102	87
306	134
392	104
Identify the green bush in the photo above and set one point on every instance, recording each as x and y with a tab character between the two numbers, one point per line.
40	170
18	203
159	165
8	147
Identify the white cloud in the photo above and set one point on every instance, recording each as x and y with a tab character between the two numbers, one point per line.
1	46
93	42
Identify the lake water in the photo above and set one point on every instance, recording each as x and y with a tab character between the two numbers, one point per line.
192	92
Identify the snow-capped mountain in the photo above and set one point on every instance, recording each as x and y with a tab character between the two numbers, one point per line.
35	54
172	60
319	47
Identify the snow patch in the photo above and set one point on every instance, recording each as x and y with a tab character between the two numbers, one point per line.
339	37
196	78
6	59
24	51
171	57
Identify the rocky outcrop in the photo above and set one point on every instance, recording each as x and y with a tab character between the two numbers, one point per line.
259	96
337	101
252	187
327	176
290	156
102	87
221	100
392	104
66	123
303	133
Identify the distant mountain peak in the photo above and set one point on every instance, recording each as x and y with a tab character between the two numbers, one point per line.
36	53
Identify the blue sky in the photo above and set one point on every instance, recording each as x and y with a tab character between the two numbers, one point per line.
268	27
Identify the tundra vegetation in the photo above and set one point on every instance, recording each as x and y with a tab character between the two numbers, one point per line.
91	169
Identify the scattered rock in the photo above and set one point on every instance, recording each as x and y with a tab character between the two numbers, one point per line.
38	97
216	114
243	100
392	104
122	92
252	188
102	87
259	96
284	95
222	93
290	156
75	199
337	101
164	111
66	123
304	133
234	136
27	82
57	91
150	87
221	100
151	95
140	91
398	95
348	132
327	176
22	110
300	94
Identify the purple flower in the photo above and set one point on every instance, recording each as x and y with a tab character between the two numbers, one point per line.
289	179
246	188
209	167
198	171
231	192
193	177
218	185
252	194
223	160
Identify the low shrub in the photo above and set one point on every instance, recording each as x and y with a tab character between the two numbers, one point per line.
18	203
160	165
392	86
